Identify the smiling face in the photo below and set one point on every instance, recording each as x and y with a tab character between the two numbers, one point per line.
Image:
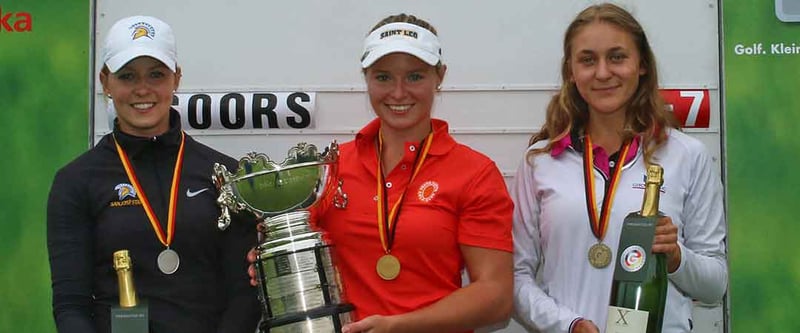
142	94
605	67
401	91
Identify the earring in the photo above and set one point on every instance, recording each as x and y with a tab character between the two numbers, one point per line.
108	96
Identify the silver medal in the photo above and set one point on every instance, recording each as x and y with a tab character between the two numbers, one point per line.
168	261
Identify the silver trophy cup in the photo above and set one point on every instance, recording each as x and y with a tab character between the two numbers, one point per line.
299	286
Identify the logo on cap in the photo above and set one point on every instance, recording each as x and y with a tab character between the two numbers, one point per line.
399	32
142	29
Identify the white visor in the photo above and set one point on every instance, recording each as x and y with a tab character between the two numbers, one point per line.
401	37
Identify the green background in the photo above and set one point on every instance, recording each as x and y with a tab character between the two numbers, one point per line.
44	112
762	122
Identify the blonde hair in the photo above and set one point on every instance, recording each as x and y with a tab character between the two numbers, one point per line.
645	115
405	18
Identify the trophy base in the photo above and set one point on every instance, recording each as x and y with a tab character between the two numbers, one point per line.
129	320
328	319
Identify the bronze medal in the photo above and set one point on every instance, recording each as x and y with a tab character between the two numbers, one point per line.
388	267
599	255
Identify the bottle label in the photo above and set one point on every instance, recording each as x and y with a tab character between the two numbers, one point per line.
624	320
635	244
633	258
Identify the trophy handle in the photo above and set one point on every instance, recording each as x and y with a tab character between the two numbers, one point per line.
226	200
224	219
340	198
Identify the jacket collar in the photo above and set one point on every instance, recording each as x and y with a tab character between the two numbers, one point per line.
134	145
575	141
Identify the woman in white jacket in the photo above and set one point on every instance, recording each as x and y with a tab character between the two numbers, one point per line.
609	111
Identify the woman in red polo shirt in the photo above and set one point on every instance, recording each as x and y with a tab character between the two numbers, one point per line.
421	206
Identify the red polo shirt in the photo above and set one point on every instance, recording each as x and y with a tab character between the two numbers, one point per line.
458	198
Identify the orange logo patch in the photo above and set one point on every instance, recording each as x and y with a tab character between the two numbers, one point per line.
427	191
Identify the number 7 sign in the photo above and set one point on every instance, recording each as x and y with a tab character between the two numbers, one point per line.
691	107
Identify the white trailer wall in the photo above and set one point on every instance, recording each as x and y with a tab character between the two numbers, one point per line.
503	65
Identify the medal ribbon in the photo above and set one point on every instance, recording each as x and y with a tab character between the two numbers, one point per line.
387	223
599	225
173	193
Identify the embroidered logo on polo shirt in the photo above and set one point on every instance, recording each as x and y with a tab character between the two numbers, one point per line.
125	190
640	186
126	195
427	191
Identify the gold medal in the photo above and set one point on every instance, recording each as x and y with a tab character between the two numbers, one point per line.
388	267
599	255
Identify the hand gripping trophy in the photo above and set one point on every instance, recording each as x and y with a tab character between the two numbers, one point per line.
299	287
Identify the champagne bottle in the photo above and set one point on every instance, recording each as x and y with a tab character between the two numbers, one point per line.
124	268
639	289
131	316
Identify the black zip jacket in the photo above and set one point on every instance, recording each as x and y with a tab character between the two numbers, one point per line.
89	217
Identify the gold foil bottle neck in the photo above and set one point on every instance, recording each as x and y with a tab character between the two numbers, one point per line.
124	268
122	261
652	190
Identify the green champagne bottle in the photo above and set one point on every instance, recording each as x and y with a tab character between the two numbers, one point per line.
639	289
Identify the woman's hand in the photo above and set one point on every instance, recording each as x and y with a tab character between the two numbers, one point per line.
371	324
252	256
585	326
666	241
251	270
